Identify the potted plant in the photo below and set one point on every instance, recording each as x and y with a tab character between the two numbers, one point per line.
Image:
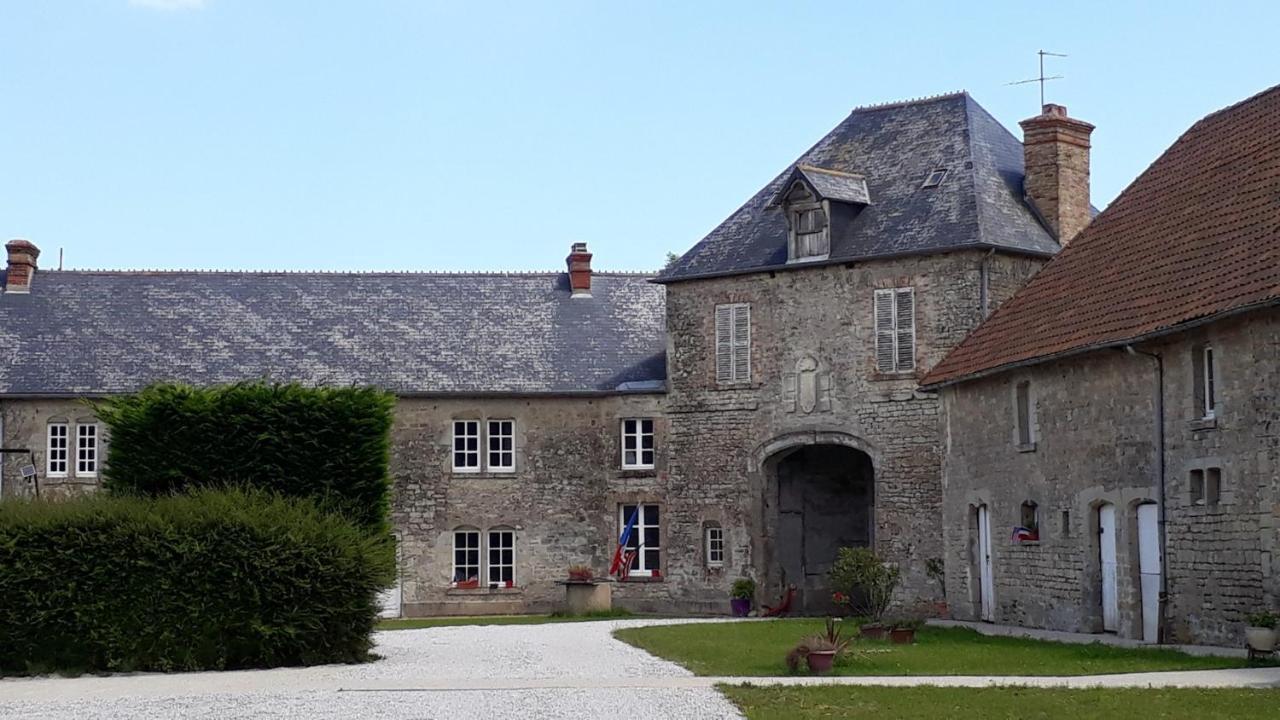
902	631
1260	634
581	573
865	584
936	571
741	596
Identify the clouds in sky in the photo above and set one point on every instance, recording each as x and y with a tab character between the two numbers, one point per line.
168	4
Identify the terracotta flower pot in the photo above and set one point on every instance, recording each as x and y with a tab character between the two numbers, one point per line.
741	606
872	631
820	661
902	636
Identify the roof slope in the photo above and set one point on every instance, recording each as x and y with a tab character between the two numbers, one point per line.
105	332
1195	236
894	147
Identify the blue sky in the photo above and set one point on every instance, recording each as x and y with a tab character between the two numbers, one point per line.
255	134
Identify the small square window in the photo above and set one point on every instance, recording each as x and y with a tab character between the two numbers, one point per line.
637	444
935	178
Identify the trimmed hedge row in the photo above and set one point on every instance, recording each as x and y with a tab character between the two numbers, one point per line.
214	579
330	444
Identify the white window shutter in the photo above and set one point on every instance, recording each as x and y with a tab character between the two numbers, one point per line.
885	330
724	343
905	317
742	343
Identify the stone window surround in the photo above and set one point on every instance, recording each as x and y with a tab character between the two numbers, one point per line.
1032	429
482	437
619	502
482	549
632	428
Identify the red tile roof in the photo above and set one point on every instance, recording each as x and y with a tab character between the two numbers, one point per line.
1195	236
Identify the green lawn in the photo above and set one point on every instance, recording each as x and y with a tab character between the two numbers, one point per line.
933	703
430	622
759	649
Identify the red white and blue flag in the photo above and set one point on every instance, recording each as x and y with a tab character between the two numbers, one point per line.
622	557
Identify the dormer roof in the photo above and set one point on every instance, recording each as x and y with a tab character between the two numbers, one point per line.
827	184
893	149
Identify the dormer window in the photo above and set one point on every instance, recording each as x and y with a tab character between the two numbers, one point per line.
817	202
810	225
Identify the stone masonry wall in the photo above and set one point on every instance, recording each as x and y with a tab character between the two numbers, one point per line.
1095	442
722	437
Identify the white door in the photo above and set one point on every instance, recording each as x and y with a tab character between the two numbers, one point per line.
987	585
390	598
1149	563
1107	551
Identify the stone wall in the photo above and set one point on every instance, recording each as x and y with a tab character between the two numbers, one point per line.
24	425
1096	441
723	438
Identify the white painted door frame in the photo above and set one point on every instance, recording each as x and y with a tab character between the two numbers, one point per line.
1107	545
1150	566
986	575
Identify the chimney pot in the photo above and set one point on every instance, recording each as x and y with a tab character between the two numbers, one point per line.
579	262
1055	149
22	265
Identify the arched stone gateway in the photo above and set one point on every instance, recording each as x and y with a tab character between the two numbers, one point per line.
819	496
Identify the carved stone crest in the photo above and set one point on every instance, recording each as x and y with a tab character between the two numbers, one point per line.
807	389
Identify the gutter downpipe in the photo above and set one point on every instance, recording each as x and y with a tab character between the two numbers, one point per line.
1160	481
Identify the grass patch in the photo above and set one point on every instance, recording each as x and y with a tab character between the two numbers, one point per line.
430	622
758	649
931	703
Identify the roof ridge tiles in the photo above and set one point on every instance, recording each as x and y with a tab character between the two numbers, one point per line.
910	101
222	271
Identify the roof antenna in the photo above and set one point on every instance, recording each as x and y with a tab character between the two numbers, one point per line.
1042	79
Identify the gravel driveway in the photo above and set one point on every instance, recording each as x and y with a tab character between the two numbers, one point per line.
559	670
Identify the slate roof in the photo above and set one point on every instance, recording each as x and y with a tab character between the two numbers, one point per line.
895	147
1195	237
90	332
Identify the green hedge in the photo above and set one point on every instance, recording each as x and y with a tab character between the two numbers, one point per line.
209	580
330	444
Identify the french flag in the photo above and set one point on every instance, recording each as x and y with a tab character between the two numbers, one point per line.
621	558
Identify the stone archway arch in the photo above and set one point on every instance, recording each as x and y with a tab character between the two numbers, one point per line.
818	496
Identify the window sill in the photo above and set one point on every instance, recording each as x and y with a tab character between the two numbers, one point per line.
1208	423
736	385
483	475
471	592
643	580
629	472
1027	448
878	376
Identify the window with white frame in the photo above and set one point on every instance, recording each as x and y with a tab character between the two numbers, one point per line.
87	449
733	343
466	557
502	558
466	445
895	323
644	545
637	443
502	454
56	450
1205	380
715	546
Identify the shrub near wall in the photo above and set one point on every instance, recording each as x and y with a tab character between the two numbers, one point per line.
210	580
331	444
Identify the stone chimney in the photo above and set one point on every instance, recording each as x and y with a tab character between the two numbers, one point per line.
1055	149
579	261
22	266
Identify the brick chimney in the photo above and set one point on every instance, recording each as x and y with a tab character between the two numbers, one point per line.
579	262
22	265
1055	149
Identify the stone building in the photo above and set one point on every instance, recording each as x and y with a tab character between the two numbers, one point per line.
797	331
756	405
1112	436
